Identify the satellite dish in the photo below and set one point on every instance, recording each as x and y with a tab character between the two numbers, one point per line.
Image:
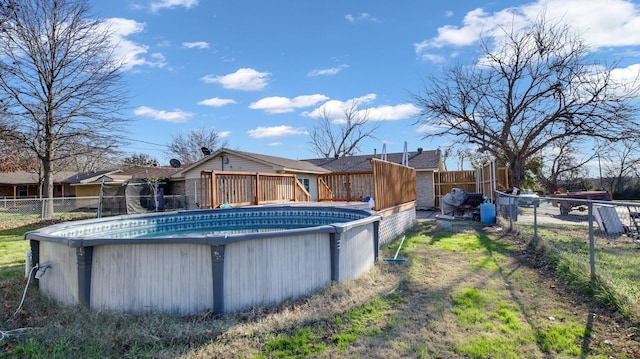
175	163
205	151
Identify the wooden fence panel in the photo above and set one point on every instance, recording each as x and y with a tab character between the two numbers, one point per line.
482	180
394	184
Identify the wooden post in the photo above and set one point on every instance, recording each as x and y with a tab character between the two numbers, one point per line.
213	193
257	191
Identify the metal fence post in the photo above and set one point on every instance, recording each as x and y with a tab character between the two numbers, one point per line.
43	205
535	221
592	250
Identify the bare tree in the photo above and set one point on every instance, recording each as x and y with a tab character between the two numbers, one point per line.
59	80
188	149
564	164
621	164
534	88
342	137
88	156
139	160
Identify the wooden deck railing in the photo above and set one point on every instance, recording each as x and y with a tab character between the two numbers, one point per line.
245	188
353	186
324	191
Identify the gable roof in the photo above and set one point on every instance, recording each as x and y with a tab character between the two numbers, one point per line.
84	177
285	163
419	160
276	163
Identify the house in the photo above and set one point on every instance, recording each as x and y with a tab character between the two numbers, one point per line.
240	161
424	162
23	184
186	180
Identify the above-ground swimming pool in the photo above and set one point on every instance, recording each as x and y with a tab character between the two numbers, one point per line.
188	262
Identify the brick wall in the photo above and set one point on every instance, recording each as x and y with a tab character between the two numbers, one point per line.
425	190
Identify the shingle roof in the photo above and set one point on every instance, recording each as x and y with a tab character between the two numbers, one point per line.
420	160
80	177
148	172
285	163
24	177
277	163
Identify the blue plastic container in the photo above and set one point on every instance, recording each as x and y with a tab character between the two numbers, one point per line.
488	213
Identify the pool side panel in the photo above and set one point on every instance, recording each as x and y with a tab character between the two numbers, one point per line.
268	271
173	278
60	281
356	252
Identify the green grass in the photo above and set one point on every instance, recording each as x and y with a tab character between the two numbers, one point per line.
616	260
355	324
13	250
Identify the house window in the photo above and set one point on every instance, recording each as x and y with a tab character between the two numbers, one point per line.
304	182
22	191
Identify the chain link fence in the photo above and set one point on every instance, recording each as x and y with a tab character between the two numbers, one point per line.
89	206
598	241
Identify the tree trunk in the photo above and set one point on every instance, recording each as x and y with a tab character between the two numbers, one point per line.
516	172
47	211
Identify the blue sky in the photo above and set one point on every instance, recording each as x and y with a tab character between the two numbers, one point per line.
260	72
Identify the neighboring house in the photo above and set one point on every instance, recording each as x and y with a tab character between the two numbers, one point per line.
240	161
426	163
23	184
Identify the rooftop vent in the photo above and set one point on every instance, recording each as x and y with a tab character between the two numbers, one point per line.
419	149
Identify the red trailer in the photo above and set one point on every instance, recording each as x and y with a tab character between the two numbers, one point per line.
566	205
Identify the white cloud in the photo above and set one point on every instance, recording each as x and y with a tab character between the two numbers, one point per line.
224	134
245	79
327	72
275	144
361	17
434	59
278	104
276	132
428	128
196	45
177	116
170	4
599	23
335	110
216	102
132	54
393	113
629	75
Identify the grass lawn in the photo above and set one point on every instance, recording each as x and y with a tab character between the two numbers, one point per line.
468	294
